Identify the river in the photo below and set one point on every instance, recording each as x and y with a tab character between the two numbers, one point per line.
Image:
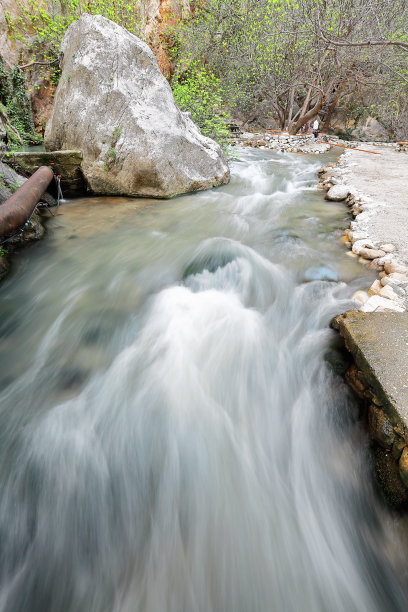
175	432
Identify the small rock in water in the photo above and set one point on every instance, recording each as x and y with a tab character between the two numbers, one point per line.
71	377
320	273
379	427
403	466
375	264
362	244
388	292
375	288
369	253
360	296
378	303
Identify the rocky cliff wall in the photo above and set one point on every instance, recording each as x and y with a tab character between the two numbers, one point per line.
160	17
11	49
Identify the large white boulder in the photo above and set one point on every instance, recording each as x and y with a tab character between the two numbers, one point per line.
113	103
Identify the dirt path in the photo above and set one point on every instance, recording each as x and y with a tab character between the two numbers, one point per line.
378	196
382	183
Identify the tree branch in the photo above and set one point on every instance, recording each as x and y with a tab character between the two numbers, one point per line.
39	63
367	43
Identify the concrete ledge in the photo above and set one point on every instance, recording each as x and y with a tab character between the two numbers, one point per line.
64	163
378	343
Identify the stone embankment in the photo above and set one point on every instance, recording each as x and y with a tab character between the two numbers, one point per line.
374	186
283	141
65	164
379	376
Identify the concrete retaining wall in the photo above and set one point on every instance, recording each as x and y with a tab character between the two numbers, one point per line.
64	163
378	343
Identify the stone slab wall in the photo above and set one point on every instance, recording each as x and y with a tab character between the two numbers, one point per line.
67	164
379	376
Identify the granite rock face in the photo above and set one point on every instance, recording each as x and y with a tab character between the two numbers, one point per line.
114	104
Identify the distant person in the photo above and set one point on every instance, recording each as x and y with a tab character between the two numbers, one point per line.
316	129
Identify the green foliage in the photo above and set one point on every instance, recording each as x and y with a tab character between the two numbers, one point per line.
12	186
19	108
200	93
275	56
110	155
41	28
261	59
3	251
116	135
15	106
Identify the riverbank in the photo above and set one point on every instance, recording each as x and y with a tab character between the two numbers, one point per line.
283	141
373	184
298	143
376	184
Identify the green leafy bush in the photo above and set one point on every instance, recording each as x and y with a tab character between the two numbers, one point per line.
200	93
41	28
15	106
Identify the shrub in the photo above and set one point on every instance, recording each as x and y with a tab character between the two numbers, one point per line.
200	93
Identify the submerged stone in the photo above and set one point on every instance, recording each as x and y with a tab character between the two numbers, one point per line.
321	273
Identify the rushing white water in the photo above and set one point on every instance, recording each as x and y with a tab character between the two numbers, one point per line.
173	437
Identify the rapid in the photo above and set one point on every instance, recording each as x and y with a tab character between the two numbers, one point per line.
175	432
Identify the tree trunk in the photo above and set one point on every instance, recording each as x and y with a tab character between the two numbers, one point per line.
309	115
251	117
326	125
291	102
304	108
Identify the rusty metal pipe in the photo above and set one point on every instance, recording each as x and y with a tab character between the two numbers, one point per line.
16	210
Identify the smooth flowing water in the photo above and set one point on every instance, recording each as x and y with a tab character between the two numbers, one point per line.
174	435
